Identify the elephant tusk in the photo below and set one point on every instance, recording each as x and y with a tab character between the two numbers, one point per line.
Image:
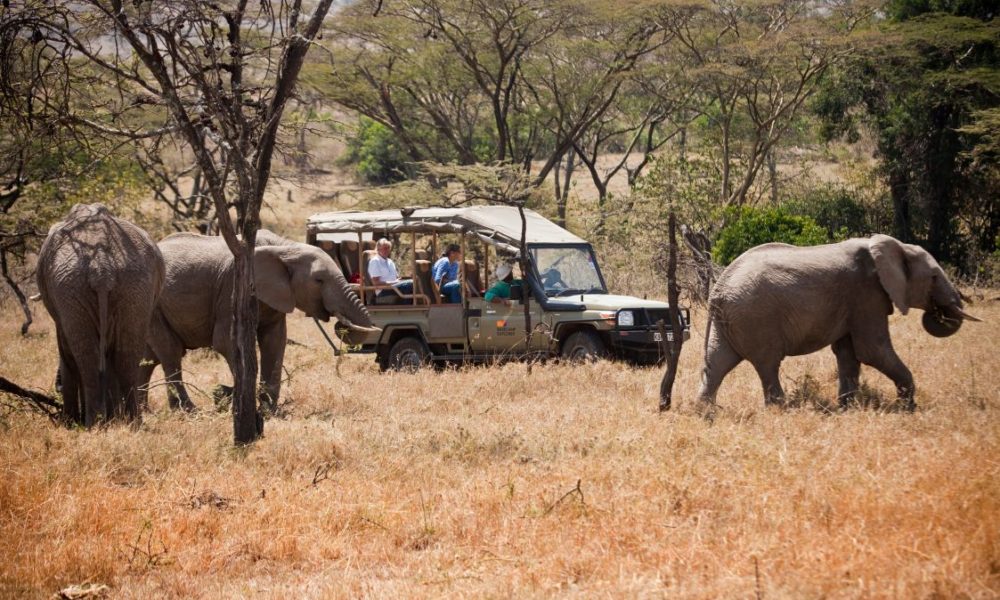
348	324
969	317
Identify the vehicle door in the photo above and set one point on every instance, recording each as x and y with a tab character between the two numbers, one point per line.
500	329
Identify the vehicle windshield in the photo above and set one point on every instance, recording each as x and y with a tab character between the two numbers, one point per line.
565	271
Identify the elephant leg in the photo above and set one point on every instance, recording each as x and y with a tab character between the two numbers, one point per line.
128	377
720	359
768	372
69	380
82	345
168	350
848	370
889	363
146	368
272	339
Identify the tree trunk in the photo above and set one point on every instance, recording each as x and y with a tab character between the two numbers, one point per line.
772	171
248	425
562	194
21	299
525	286
899	188
673	297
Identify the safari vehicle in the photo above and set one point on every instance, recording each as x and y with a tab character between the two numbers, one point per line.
571	312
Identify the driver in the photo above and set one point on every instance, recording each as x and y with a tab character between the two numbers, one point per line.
500	292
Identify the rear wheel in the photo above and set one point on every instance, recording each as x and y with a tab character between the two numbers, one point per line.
584	346
408	354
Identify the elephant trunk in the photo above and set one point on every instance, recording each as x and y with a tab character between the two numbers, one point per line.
340	300
946	320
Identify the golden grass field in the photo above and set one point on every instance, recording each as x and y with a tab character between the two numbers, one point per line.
490	482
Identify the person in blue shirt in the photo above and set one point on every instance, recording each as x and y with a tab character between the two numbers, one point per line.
445	274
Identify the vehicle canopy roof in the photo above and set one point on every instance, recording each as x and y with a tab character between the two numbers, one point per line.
496	225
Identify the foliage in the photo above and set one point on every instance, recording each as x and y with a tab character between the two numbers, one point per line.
834	209
747	227
926	84
375	151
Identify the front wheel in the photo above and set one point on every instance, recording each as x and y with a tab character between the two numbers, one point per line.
584	346
408	354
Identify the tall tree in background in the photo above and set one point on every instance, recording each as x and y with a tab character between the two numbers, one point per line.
926	87
218	76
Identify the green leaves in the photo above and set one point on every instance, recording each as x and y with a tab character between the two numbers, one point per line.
748	227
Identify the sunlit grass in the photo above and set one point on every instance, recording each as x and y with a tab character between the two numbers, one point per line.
464	483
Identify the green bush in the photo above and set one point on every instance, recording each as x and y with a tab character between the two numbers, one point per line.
834	209
376	153
748	227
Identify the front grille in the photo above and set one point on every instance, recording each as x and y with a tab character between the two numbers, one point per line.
650	316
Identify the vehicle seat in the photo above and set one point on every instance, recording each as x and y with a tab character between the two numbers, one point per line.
425	283
369	293
333	249
349	258
368	245
421	254
473	284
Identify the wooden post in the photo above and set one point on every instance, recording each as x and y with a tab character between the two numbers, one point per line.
673	350
525	288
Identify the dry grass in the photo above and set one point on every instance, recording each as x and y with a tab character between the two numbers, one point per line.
464	483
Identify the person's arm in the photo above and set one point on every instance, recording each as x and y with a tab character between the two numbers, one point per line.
494	296
439	271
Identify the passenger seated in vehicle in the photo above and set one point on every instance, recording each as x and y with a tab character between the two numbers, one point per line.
383	272
445	274
499	293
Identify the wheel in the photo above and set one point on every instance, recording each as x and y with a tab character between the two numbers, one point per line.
584	346
408	354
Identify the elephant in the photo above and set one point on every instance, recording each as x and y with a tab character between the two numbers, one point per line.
777	300
195	309
99	277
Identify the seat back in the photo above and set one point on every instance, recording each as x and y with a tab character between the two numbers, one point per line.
369	293
368	245
349	257
473	283
421	254
425	283
332	248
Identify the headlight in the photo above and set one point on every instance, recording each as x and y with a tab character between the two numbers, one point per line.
626	318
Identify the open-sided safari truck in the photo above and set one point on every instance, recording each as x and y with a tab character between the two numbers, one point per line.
572	314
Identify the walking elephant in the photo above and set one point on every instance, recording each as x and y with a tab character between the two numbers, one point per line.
99	277
195	310
778	300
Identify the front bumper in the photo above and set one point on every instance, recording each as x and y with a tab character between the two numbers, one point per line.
636	341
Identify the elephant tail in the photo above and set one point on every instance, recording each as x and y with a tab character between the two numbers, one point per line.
102	350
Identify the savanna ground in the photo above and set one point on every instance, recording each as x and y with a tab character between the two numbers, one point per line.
492	482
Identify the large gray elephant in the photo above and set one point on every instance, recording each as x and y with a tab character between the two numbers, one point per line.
778	300
99	277
195	310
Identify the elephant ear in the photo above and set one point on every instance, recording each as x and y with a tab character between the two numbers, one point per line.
890	264
272	279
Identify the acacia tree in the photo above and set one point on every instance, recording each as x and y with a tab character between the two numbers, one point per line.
218	76
510	81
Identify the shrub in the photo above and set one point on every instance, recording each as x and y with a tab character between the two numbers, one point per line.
834	209
748	227
376	154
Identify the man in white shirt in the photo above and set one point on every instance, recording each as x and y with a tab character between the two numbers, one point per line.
383	272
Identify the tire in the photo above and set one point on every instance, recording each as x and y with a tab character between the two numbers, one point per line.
584	346
409	354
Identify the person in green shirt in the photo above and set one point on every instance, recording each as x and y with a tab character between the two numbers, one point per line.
499	293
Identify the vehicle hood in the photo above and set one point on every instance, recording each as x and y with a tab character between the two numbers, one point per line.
614	302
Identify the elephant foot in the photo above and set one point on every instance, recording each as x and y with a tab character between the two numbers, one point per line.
707	410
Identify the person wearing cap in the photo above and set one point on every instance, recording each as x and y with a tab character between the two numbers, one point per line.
445	273
383	271
500	292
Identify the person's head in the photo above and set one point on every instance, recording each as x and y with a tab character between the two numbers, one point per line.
453	252
504	272
383	247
